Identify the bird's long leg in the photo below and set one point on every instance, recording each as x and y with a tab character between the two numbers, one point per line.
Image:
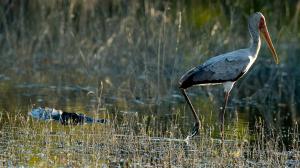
197	123
222	113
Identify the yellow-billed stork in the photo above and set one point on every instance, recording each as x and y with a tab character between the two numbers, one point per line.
227	68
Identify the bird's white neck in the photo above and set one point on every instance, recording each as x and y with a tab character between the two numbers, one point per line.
255	41
255	46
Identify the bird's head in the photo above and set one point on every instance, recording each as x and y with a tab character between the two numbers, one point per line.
257	21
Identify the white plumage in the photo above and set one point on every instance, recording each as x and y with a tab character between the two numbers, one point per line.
227	68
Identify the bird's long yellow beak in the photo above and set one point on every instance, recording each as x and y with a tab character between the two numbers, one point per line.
264	31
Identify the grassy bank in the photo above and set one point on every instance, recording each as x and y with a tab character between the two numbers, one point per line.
25	142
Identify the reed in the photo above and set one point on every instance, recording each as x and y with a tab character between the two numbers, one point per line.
128	55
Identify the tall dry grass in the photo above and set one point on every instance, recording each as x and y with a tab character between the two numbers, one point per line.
139	49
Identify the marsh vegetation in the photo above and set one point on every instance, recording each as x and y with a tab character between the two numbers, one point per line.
121	60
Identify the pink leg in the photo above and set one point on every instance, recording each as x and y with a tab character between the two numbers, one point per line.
197	123
222	113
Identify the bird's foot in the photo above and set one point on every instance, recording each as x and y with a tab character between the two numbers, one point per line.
195	129
194	133
187	140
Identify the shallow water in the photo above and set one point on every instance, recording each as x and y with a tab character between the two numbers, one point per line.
151	130
21	98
